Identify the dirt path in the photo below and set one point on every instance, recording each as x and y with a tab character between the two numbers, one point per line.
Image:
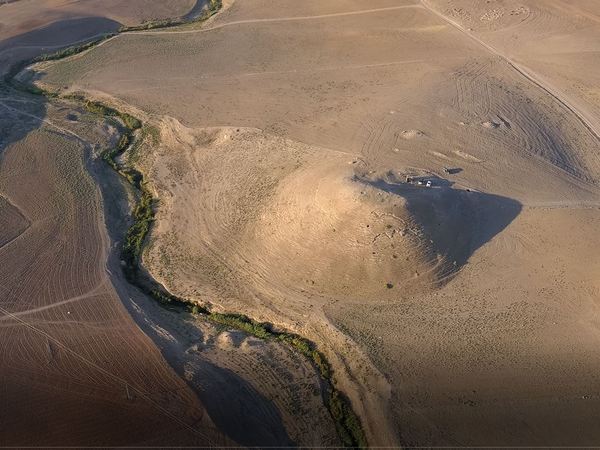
282	19
251	21
94	292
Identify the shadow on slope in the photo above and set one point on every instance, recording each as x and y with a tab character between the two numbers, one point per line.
238	409
454	222
21	112
197	10
51	38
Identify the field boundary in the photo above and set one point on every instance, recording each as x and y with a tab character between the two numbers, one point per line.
132	132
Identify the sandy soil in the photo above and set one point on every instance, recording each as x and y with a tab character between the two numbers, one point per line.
258	393
555	41
464	314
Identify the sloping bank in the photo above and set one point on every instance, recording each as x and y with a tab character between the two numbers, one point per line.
132	134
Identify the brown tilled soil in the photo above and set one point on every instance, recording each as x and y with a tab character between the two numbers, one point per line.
461	314
75	369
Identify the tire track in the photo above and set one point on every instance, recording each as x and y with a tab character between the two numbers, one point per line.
527	73
95	292
104	372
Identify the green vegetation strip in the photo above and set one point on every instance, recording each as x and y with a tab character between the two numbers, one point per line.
213	7
347	424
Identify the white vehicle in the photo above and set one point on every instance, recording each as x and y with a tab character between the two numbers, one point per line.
428	184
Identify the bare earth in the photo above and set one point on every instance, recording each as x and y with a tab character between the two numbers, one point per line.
76	370
75	367
462	314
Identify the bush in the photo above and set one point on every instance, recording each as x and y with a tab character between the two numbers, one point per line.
130	122
347	423
143	215
100	109
242	322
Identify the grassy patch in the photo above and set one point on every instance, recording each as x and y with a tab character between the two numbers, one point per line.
100	109
214	6
143	216
152	25
347	423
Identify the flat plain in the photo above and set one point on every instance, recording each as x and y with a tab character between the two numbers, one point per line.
290	135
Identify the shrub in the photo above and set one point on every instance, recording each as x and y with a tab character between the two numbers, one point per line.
130	122
242	322
347	423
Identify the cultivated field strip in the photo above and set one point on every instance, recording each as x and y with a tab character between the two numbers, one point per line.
63	326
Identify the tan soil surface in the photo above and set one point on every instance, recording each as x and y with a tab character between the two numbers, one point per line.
465	314
126	394
554	40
